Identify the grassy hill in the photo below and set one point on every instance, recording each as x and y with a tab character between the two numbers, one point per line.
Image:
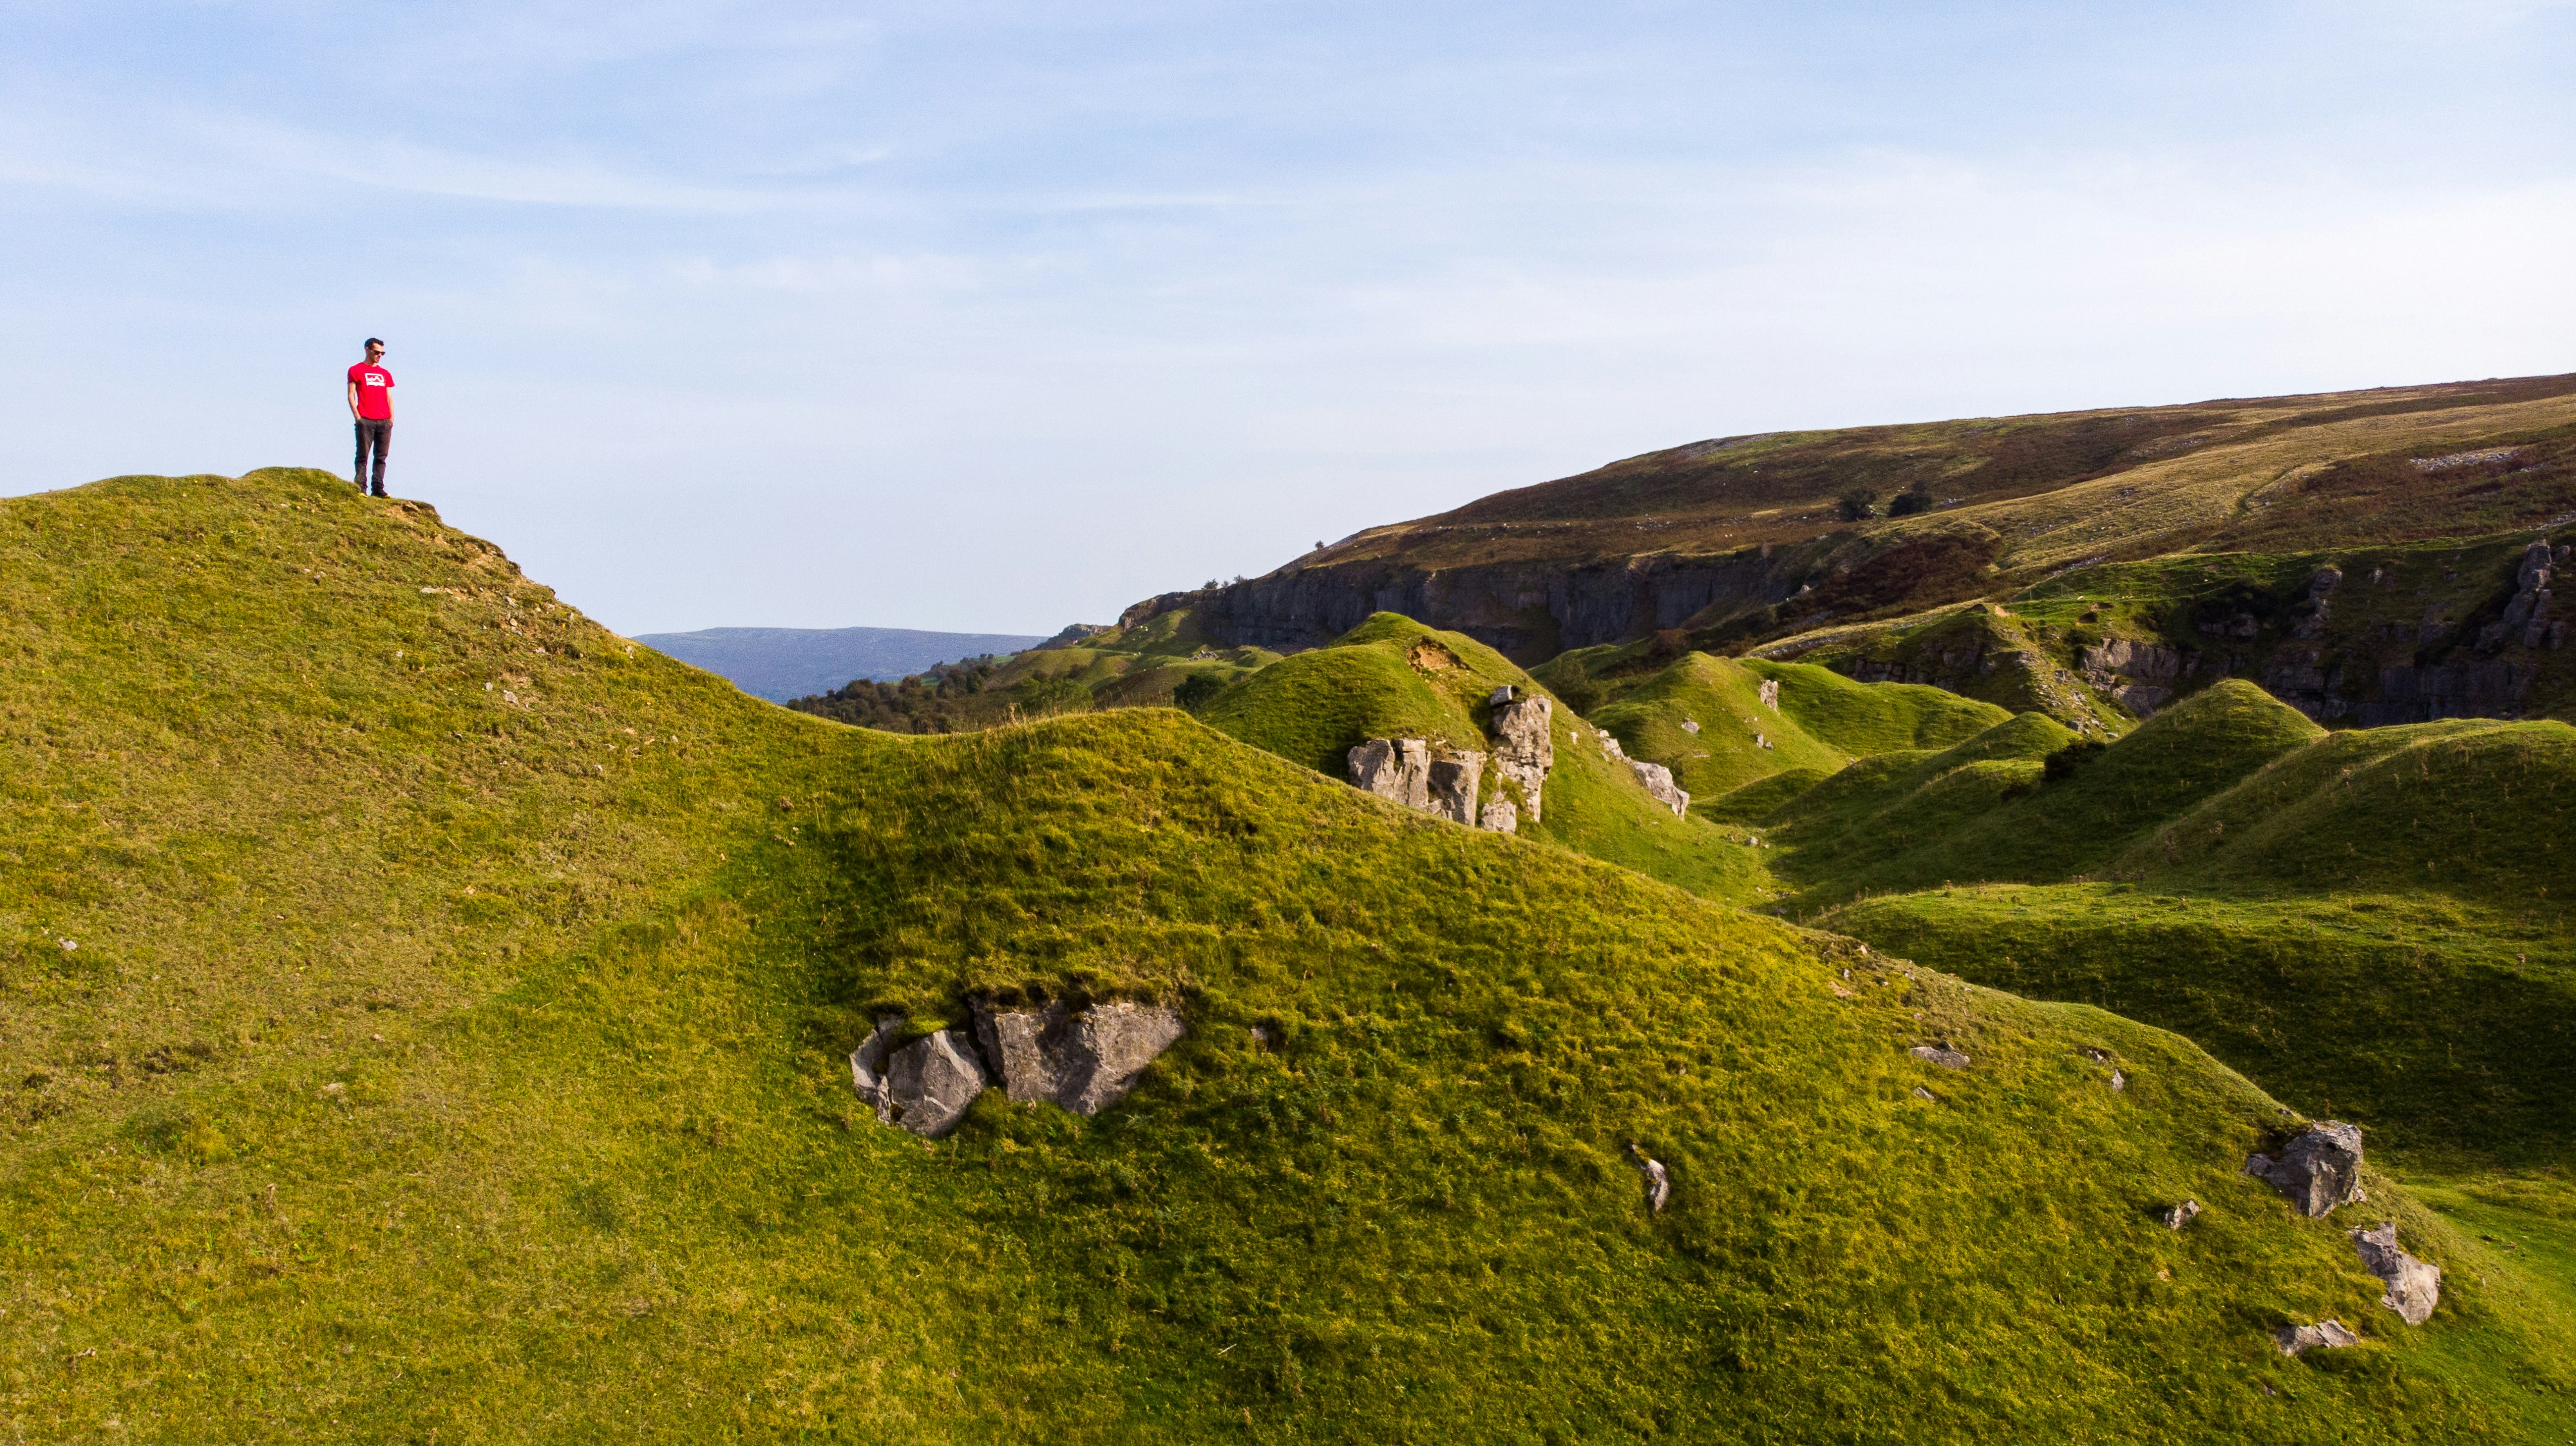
406	1058
1392	677
2324	911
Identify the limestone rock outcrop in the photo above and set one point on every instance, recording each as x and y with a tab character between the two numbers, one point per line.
926	1086
1395	769
2329	1333
1453	786
1659	783
2182	1214
1083	1061
1499	816
2319	1170
1939	1052
2414	1287
1523	750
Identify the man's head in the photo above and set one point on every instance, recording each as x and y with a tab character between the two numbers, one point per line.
375	349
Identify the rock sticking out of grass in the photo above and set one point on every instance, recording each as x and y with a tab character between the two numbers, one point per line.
2414	1287
2319	1170
2329	1333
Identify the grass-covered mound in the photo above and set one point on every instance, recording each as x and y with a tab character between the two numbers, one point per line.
437	1063
1391	677
1704	718
2374	925
2016	819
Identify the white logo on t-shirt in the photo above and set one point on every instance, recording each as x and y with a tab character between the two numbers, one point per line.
375	379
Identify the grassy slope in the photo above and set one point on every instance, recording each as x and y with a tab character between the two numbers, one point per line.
603	1176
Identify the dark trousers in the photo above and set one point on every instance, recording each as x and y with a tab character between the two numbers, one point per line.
378	436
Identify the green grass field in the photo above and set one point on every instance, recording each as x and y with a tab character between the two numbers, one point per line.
443	1062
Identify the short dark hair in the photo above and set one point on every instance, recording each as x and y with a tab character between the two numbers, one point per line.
375	341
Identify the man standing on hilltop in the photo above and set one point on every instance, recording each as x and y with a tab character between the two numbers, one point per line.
371	406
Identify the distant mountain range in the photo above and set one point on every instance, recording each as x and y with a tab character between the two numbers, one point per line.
783	663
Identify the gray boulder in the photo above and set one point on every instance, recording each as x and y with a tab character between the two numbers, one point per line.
1024	1047
1085	1062
2319	1170
2329	1333
1770	692
1499	815
1659	784
926	1086
2182	1214
1111	1045
2414	1287
1939	1052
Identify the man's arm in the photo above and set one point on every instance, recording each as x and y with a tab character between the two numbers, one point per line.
353	403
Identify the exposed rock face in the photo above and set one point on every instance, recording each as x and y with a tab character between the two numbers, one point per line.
1499	816
1659	782
1526	610
1771	694
926	1086
1939	1052
1397	769
1112	1044
2182	1214
1453	786
1023	1048
2319	1170
1523	749
2328	1333
1085	1062
2414	1287
2141	676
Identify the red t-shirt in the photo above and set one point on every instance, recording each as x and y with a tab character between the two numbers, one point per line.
375	392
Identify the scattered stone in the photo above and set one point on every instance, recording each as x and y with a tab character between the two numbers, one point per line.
1660	786
2098	1056
1771	694
1921	1093
2119	1082
2182	1214
2414	1287
1499	816
2327	1333
1939	1052
2319	1170
1659	1181
1260	1037
1690	725
1500	695
1840	992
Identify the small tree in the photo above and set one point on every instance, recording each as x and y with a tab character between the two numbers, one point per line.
1857	505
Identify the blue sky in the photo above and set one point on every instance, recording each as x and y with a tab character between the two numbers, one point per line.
998	316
